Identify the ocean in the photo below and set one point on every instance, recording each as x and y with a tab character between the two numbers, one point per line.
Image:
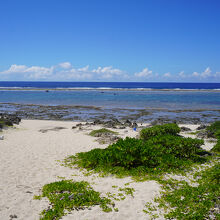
118	99
110	85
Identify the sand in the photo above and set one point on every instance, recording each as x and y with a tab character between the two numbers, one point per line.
29	160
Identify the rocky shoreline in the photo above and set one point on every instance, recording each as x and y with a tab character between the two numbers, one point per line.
92	113
9	120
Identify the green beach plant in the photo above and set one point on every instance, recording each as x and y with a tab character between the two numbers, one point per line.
214	131
99	132
67	195
157	130
157	152
181	200
216	148
128	191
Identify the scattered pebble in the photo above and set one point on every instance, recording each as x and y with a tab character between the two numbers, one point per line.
13	216
185	129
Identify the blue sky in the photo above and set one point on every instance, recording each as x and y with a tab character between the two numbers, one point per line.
110	40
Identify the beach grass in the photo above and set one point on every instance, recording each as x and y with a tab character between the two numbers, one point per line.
99	132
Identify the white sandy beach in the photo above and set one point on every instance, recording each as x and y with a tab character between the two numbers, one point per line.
29	160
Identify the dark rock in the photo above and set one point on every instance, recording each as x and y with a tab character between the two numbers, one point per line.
110	124
9	120
8	123
202	127
128	123
14	119
159	121
116	120
74	127
79	125
97	122
134	125
196	121
185	129
204	153
115	123
114	138
13	216
202	134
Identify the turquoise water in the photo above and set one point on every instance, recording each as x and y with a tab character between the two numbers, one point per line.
117	98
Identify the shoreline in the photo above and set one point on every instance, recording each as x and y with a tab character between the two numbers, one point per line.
91	113
119	108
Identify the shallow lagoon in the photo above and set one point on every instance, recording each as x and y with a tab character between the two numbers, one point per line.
172	100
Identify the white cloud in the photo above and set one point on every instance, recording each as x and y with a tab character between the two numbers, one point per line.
217	74
144	73
181	74
29	72
84	69
65	71
195	74
167	75
108	72
206	73
15	69
77	76
65	65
